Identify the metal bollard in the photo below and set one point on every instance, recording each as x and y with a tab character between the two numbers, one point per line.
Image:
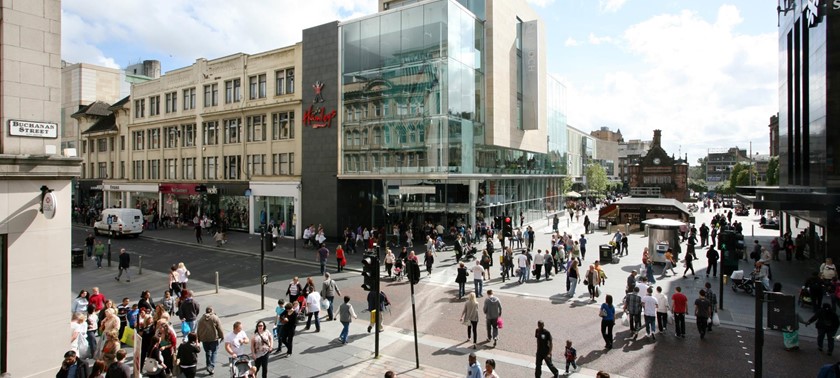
627	228
647	230
609	227
217	282
109	253
140	265
753	230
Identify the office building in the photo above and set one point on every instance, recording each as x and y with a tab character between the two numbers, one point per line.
719	164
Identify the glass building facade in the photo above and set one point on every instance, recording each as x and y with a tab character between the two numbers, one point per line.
413	104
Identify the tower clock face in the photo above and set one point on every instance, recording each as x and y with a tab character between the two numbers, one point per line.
656	161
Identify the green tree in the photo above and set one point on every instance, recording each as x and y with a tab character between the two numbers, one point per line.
740	176
566	184
698	172
773	171
596	178
698	186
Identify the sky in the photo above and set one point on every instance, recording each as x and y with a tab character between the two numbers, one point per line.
704	72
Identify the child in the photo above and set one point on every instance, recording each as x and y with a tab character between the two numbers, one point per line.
278	326
571	355
168	303
132	316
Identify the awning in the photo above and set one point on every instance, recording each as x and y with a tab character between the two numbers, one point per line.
573	194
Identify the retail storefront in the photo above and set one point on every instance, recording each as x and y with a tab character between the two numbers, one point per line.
277	204
223	202
140	196
182	202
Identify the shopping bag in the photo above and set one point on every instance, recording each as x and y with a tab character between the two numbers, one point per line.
128	336
500	323
597	291
325	304
625	320
185	328
373	317
715	319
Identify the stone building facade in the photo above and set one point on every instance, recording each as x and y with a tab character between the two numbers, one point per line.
658	172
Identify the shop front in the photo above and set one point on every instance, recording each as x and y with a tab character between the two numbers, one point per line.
224	203
181	203
276	204
139	196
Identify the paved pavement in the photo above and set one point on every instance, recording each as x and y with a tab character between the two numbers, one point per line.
441	354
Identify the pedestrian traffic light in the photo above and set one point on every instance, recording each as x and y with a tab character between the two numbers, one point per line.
508	229
370	272
268	242
413	271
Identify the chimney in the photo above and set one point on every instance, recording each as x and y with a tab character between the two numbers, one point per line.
657	138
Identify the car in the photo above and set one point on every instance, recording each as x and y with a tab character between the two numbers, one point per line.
742	211
119	222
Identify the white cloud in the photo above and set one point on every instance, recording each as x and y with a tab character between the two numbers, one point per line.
704	84
186	30
595	40
571	42
540	3
610	5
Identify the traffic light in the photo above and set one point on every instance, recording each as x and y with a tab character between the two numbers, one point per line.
508	229
413	271
268	242
370	271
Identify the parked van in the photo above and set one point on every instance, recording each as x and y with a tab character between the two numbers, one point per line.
119	222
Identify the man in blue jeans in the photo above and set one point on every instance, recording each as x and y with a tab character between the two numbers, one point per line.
209	332
323	253
478	278
522	264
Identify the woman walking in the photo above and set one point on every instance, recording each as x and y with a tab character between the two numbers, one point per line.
80	304
572	278
485	263
183	276
389	261
174	283
827	324
689	265
346	314
469	316
593	279
461	279
78	336
649	271
429	260
155	354
261	344
289	320
109	350
339	258
607	314
167	344
188	355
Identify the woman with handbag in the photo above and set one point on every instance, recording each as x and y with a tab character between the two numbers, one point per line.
469	317
112	345
153	365
187	357
593	279
339	258
168	343
146	329
607	315
261	344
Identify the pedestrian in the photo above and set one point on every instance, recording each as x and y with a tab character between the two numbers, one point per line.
108	353
461	279
329	289
236	345
97	299
544	348
90	241
346	314
593	281
294	290
389	261
539	260
261	344
219	238
490	369
469	317
571	356
474	369
98	253
703	312
209	332
478	278
188	312
669	263
340	258
522	264
607	314
188	355
712	257
278	324
197	230
383	303
827	324
649	270
119	369
313	308
689	265
168	343
548	263
183	275
72	367
650	305
572	278
122	313
168	303
174	283
661	310
492	312
624	240
712	298
80	304
679	306
429	261
125	261
323	254
633	308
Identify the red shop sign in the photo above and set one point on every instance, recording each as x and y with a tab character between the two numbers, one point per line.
318	118
177	188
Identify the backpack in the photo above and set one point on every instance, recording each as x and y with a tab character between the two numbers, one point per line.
387	302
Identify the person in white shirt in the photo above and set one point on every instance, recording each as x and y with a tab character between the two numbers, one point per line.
313	308
478	278
642	285
235	345
522	263
649	307
307	235
539	259
662	310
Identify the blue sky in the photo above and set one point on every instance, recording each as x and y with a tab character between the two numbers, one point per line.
703	71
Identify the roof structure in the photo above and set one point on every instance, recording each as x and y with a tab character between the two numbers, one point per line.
104	124
96	108
654	202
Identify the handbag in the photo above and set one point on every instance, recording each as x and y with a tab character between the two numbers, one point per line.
597	292
128	337
325	304
151	366
585	282
715	319
500	323
603	313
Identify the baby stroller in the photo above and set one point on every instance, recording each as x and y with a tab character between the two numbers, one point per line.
302	309
398	269
738	281
241	367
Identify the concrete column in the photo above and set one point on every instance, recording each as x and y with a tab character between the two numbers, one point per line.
473	199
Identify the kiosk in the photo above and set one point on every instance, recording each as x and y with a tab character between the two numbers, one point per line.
663	234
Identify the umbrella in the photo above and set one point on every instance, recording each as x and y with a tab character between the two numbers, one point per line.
573	194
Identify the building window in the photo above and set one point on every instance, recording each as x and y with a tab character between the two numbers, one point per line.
279	80
210	167
101	145
154	138
101	170
84	146
154	169
256	165
170	137
232	167
232	91
232	130
188	135
290	81
111	144
283	125
170	169
283	164
256	86
211	95
154	105
139	108
137	173
137	138
188	168
122	169
172	102
256	128
211	132
189	99
122	142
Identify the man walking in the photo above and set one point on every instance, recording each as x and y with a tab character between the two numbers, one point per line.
99	253
492	312
478	278
323	254
661	310
582	243
703	311
704	235
633	308
209	332
188	311
329	290
712	256
89	242
679	304
650	305
539	259
544	348
522	264
125	260
712	298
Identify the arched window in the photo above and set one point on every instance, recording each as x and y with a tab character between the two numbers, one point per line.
348	139
401	134
386	132
364	137
377	136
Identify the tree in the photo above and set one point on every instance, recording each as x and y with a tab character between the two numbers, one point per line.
740	176
773	171
566	184
699	172
698	186
596	178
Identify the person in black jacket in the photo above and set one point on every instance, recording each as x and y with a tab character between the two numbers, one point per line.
188	310
125	261
461	279
72	367
712	256
119	369
188	355
827	324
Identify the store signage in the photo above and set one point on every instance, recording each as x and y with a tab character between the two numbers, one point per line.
318	118
835	5
177	189
49	205
33	129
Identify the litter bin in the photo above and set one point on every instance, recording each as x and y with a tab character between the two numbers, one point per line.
77	258
605	253
602	223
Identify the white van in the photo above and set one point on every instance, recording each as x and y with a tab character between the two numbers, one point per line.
119	222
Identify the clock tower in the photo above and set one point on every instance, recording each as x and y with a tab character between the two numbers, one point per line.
660	175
